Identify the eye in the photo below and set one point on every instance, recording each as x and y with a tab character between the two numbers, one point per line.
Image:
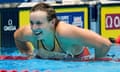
31	22
38	23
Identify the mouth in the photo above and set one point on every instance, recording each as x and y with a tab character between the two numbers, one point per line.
38	33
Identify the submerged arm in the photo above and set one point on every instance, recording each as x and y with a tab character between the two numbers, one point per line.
52	55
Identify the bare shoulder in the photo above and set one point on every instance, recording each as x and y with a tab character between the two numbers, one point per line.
22	32
68	30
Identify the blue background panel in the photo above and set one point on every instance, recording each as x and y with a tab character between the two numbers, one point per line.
74	18
9	23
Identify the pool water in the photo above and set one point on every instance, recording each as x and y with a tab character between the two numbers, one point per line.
56	66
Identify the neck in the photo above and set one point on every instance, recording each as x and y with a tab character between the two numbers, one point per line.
50	35
48	41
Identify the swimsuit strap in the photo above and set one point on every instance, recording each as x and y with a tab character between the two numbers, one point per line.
55	48
40	44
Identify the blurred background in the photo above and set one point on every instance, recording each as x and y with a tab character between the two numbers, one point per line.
15	3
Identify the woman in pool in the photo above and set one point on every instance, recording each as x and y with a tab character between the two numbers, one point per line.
55	39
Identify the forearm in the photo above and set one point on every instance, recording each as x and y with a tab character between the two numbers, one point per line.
102	49
101	52
49	54
29	54
25	48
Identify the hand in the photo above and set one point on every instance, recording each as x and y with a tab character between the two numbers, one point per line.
85	58
68	57
30	56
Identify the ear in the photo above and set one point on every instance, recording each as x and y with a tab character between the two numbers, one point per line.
53	21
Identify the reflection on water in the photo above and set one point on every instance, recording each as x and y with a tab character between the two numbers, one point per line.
59	66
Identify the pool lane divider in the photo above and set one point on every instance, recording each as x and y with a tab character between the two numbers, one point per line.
3	70
21	71
2	57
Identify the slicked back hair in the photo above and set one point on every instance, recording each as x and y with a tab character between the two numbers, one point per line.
51	14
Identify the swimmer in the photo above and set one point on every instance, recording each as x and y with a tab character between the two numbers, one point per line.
55	39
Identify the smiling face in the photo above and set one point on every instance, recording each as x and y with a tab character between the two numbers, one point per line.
39	23
43	20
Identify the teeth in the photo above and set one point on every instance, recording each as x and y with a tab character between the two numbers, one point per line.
38	33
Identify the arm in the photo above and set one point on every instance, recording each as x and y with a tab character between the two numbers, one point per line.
51	55
92	40
101	52
25	47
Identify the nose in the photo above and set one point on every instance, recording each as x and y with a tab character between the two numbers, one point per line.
34	26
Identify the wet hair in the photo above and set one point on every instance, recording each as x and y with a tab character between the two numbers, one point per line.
47	8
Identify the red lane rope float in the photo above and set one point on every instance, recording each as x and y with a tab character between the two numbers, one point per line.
25	71
2	57
3	70
108	59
